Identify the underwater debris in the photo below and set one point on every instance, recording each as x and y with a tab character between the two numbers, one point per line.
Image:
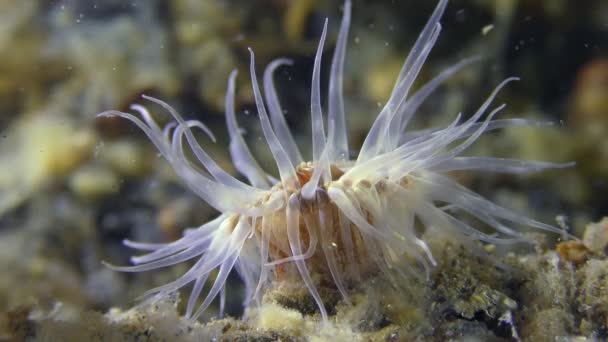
332	221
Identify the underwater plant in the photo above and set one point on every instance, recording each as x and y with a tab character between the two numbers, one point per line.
332	220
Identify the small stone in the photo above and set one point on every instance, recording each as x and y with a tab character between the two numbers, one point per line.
572	251
90	182
127	158
595	236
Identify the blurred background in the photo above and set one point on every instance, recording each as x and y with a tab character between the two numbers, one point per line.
72	186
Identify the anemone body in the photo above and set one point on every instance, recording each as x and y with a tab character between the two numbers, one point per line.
331	220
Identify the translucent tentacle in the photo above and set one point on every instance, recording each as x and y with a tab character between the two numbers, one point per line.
220	196
495	124
496	165
423	45
337	130
209	164
407	110
242	159
276	113
286	169
293	227
325	224
318	131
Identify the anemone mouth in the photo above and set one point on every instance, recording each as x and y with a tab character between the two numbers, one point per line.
331	220
306	170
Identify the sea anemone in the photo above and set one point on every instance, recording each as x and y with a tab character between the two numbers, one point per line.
332	220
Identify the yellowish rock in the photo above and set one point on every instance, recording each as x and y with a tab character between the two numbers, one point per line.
40	149
595	236
126	157
275	317
92	182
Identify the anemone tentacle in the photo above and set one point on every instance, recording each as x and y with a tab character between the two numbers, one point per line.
286	168
242	159
276	113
